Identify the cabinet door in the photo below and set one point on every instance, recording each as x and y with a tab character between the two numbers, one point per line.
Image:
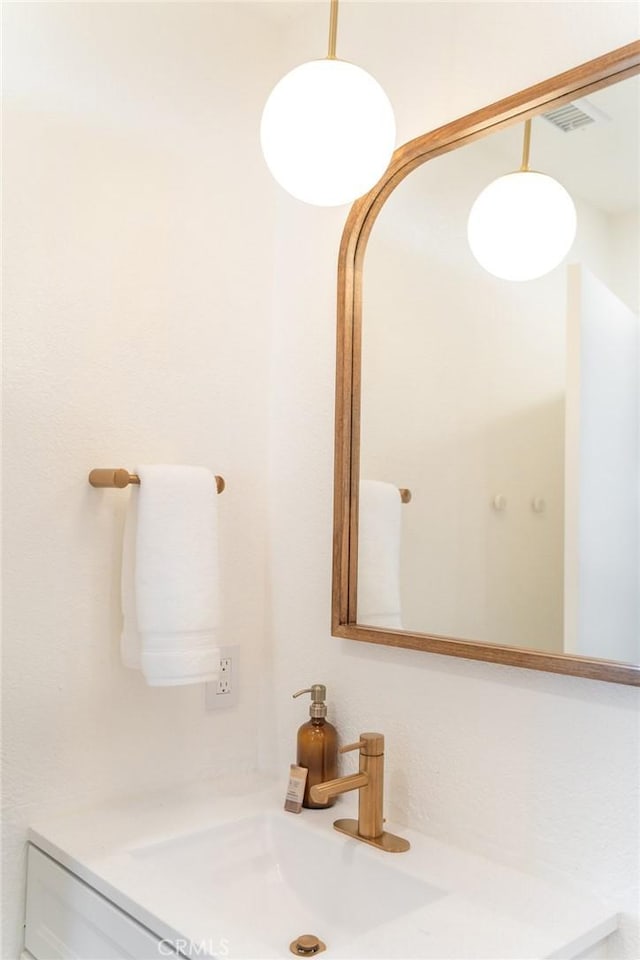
68	920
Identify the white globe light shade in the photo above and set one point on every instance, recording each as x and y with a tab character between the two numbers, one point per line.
327	132
522	225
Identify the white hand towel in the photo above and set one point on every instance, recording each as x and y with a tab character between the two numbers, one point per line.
130	638
174	599
379	538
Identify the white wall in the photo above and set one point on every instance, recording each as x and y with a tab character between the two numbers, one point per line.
137	328
625	249
536	769
138	228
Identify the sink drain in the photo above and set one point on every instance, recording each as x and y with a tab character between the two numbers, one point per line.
306	946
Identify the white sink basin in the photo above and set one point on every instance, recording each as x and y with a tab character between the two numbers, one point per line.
221	870
269	875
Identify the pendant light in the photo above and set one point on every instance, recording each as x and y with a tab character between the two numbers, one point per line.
328	129
523	224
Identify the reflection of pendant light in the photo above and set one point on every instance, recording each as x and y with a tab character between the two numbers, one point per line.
328	129
523	224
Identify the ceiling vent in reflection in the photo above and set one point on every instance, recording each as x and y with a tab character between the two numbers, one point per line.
576	115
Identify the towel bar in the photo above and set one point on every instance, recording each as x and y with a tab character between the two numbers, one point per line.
110	477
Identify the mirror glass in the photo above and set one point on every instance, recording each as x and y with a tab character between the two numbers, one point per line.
509	410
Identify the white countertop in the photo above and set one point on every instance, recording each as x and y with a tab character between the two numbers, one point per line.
483	910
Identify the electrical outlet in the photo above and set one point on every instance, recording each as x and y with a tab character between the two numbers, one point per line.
223	692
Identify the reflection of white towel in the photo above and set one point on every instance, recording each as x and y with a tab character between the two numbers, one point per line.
379	532
170	576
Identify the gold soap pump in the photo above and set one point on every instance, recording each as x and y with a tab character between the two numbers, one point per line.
317	746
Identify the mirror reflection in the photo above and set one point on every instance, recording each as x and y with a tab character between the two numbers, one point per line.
509	409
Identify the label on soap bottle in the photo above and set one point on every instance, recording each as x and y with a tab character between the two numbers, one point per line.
295	789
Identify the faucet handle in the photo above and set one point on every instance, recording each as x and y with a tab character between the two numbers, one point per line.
369	745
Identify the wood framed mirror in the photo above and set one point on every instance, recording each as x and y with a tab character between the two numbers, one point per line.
504	560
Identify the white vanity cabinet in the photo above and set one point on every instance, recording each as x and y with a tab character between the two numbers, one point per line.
68	920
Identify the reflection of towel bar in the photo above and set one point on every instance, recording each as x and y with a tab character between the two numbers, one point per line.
405	495
110	477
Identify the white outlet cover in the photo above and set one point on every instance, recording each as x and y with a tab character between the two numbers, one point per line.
219	701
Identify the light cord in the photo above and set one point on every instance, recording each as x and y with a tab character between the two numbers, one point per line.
526	147
333	30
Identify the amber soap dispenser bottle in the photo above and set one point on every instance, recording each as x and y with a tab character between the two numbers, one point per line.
317	745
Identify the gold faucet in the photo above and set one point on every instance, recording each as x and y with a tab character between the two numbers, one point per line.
369	782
